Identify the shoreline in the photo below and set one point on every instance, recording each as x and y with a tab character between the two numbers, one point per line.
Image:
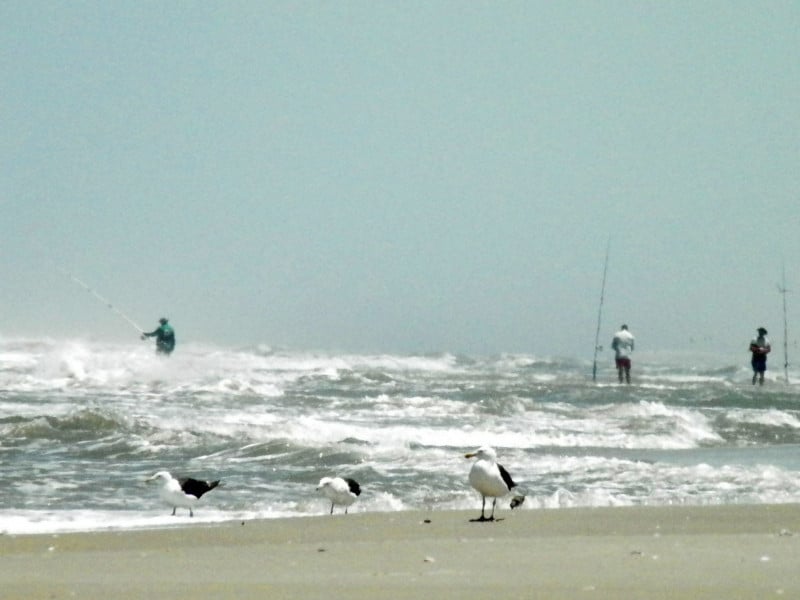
726	551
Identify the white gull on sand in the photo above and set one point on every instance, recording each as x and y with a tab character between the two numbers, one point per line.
184	492
490	479
339	490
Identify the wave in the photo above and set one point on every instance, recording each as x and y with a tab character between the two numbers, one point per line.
80	425
91	420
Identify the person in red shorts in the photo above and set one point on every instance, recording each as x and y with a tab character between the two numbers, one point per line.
623	346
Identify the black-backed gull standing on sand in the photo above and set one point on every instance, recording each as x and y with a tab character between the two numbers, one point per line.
339	490
489	478
184	492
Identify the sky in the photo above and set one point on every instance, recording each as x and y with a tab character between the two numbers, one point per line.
402	177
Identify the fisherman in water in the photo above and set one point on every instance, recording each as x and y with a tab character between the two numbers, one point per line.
622	345
760	347
165	337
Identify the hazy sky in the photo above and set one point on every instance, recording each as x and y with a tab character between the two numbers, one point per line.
402	176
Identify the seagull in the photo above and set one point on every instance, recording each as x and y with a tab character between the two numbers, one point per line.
488	477
183	492
339	490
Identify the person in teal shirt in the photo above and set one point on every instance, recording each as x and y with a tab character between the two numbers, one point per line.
165	337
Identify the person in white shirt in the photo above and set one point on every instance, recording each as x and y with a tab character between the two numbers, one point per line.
623	346
760	347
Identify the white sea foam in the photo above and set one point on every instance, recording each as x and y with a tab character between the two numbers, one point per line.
85	422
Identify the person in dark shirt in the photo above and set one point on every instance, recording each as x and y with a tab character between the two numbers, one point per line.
760	347
165	337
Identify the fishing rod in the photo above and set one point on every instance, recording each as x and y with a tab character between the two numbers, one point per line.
782	289
600	313
108	304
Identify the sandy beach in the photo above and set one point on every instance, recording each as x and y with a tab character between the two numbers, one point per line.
633	552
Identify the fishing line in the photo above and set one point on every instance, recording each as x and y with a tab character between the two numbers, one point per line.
600	313
782	289
97	296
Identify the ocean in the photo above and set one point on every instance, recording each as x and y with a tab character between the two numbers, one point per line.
84	423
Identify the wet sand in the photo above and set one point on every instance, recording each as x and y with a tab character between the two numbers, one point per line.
622	553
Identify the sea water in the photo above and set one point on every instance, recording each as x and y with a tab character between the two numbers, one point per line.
83	424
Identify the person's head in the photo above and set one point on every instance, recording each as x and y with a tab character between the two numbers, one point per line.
762	331
163	320
625	327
